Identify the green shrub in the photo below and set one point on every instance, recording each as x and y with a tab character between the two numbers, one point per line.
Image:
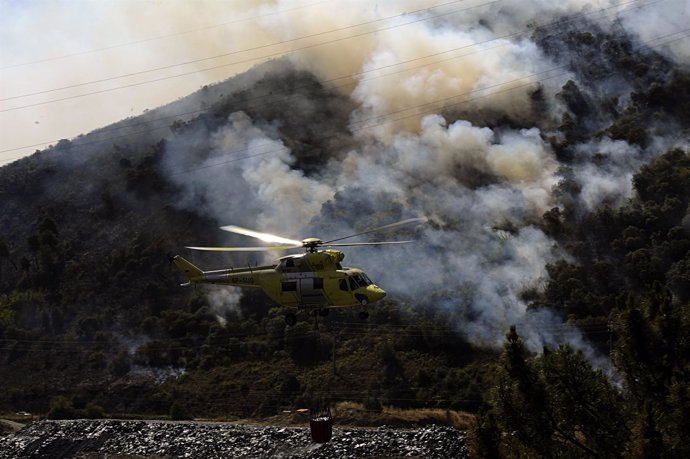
61	408
94	411
372	404
179	413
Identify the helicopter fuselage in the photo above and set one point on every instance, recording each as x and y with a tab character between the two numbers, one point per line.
312	280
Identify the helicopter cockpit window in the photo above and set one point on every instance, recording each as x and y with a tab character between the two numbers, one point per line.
359	280
343	285
353	283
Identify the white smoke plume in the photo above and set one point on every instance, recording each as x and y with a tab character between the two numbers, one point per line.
667	18
255	186
224	300
484	188
610	182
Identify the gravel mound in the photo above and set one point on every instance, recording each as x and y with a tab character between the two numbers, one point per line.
135	439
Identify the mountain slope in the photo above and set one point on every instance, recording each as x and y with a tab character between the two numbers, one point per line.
536	218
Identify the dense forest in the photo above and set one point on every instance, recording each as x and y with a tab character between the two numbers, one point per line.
93	321
631	275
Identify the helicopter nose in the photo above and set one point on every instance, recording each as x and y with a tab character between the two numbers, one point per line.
375	293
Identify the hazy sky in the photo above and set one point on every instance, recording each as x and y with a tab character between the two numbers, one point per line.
52	50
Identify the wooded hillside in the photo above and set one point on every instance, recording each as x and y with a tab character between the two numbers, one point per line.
93	321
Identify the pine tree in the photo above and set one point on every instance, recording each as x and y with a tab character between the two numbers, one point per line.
520	402
552	405
651	356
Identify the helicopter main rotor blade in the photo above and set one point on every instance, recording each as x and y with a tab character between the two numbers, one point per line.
380	228
246	249
266	237
356	244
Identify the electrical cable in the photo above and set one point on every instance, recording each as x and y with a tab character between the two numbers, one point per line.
161	37
555	23
559	22
268	56
86	143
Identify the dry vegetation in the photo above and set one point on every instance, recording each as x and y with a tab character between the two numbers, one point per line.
356	414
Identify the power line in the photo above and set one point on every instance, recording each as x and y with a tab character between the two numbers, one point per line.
683	33
279	53
268	56
161	37
354	75
412	328
560	22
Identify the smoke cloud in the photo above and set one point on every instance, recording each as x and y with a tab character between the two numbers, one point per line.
426	141
224	300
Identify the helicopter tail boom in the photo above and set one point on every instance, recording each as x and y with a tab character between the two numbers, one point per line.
241	277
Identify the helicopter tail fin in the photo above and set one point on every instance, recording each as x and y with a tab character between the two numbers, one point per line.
192	273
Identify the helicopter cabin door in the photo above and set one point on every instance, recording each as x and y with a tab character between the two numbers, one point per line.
311	291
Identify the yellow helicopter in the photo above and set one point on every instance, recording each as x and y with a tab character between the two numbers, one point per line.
314	281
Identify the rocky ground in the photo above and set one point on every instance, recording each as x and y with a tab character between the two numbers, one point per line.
91	439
